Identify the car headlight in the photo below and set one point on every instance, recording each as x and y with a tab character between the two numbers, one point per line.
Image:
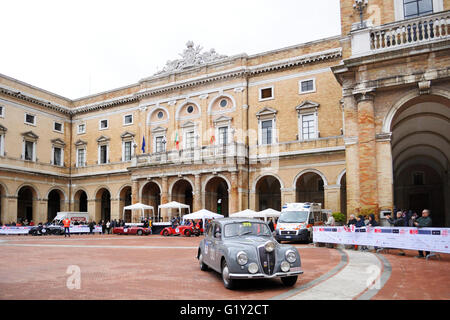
269	246
253	268
285	266
291	256
242	258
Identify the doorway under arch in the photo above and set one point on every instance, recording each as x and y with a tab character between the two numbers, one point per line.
26	204
310	188
54	203
103	205
268	193
216	196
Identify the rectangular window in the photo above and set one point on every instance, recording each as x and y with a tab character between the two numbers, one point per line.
190	139
57	156
266	93
81	128
266	127
81	157
127	151
308	127
103	124
159	144
30	119
307	86
29	146
103	154
57	126
2	111
223	136
415	8
2	145
418	179
128	119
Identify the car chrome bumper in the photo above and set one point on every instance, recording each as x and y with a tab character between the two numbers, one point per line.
263	275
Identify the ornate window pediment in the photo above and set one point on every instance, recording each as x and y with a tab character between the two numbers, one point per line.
159	130
266	113
58	143
126	135
188	124
80	143
103	139
3	129
307	106
30	135
223	120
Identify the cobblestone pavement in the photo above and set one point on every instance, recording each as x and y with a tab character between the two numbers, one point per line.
154	267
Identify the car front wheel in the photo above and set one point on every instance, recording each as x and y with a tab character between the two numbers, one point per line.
227	282
139	232
289	281
166	233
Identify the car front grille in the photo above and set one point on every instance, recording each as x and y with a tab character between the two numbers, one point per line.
288	232
267	260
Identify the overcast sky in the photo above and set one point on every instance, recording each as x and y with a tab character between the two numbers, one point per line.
77	48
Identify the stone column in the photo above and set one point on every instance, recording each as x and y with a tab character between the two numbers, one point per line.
115	209
92	209
135	191
351	153
197	203
368	196
164	195
287	196
9	211
233	194
385	181
332	198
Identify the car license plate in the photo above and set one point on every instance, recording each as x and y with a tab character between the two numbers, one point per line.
296	269
288	237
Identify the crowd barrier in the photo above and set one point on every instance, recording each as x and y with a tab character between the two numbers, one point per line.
25	230
427	239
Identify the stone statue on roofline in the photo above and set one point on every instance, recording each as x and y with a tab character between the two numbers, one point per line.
192	56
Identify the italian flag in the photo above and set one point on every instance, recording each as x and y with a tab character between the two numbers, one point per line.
213	139
177	141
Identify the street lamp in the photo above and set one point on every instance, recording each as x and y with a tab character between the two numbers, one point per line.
360	5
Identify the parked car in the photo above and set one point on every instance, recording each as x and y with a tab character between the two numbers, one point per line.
241	248
181	230
40	230
134	230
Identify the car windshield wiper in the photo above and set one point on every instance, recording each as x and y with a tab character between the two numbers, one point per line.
246	232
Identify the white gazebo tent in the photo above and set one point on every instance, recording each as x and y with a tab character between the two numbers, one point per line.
269	213
247	213
173	205
202	214
138	206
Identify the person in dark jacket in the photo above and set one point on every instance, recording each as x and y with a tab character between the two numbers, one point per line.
372	221
360	222
397	222
91	227
424	222
352	220
271	227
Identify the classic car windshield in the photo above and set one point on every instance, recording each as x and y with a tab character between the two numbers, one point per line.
293	217
246	228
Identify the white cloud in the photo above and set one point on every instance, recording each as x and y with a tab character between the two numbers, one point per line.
74	48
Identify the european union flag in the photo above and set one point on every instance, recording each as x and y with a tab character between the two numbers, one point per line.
143	145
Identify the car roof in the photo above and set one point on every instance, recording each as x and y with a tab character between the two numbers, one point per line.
224	221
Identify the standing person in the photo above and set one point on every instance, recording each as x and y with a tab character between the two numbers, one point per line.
398	222
103	226
150	225
360	222
66	223
271	225
330	222
108	227
423	222
352	220
91	227
372	222
413	218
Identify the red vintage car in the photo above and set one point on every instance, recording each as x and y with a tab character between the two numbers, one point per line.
134	230
181	230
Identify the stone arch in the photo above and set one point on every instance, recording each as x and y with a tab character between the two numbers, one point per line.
216	192
216	175
27	203
155	109
80	201
181	106
264	175
175	181
310	170
222	95
404	100
102	204
38	196
56	200
267	190
182	191
150	194
4	193
310	186
339	178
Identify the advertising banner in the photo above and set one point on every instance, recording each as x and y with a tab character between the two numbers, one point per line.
428	239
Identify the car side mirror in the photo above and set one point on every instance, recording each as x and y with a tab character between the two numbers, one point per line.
274	233
217	234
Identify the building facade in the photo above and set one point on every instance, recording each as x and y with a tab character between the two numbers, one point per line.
358	122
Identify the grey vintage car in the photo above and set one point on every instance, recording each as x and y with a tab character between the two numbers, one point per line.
241	248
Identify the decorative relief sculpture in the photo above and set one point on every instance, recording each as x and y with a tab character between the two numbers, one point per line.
192	56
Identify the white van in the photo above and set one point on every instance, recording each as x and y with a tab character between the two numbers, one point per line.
297	219
73	216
